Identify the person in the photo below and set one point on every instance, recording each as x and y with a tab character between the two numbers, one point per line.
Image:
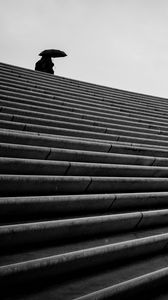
45	64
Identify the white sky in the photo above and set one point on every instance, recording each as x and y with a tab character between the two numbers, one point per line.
118	43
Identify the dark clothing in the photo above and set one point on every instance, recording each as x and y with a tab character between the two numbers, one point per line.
45	64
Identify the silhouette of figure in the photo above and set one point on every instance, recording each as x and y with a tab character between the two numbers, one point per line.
45	64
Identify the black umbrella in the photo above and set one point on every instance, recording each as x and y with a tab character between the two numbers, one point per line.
53	53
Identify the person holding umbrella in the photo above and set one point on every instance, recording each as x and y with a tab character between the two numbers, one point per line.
45	64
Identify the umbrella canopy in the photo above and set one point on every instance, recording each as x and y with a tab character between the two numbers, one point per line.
53	53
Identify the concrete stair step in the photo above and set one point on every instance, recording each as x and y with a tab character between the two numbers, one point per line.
96	280
72	262
21	235
27	138
136	287
32	185
66	168
46	153
14	209
36	139
43	251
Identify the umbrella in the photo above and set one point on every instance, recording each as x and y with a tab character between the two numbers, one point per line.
53	53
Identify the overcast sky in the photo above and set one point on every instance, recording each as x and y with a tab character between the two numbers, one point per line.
118	43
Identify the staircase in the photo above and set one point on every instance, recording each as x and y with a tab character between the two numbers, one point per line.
83	190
